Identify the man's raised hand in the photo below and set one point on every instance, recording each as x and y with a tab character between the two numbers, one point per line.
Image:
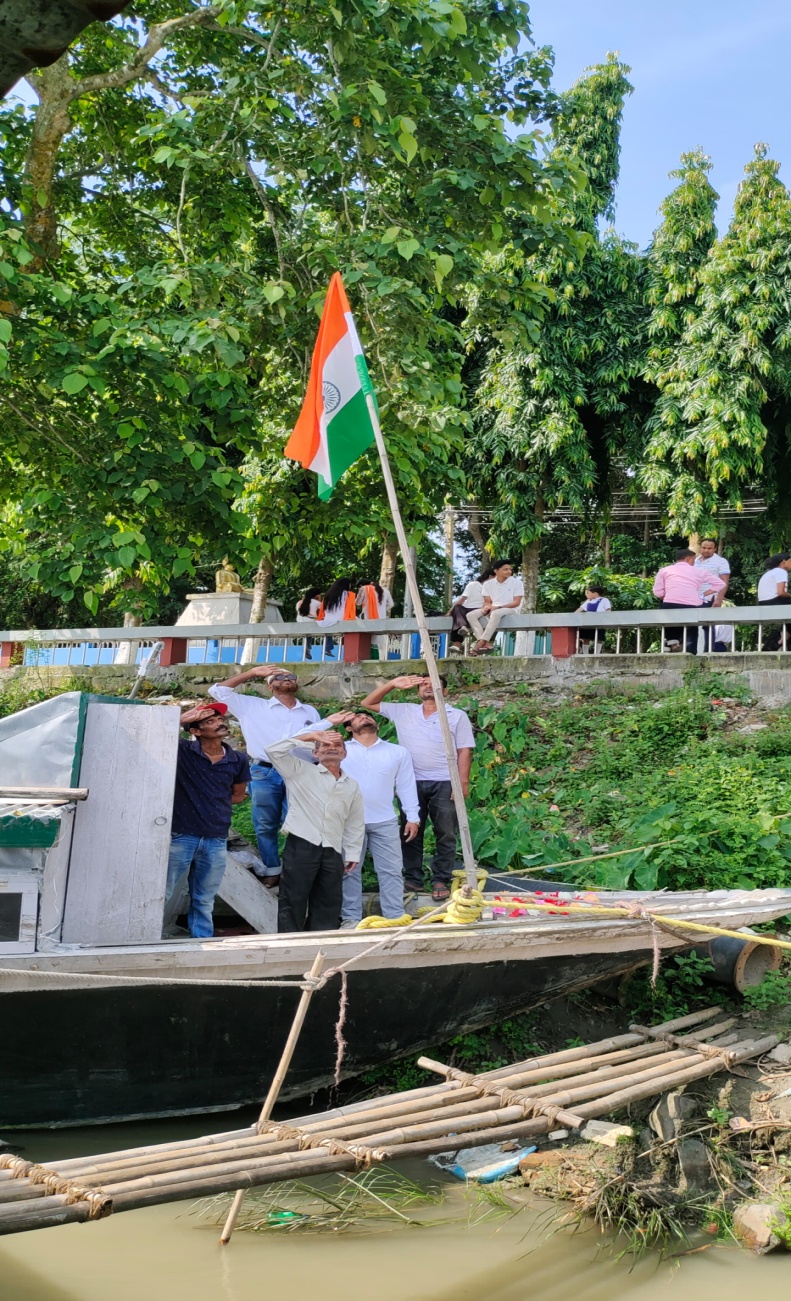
342	716
330	738
408	681
195	713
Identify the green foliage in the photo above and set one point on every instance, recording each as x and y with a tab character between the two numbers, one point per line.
556	782
681	986
170	231
564	589
721	425
773	992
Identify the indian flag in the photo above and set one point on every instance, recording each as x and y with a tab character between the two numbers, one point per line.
334	425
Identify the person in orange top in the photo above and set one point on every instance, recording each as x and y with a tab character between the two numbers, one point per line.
376	602
339	604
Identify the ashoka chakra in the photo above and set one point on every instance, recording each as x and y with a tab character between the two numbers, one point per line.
331	396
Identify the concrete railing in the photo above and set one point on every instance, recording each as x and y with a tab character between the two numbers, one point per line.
616	632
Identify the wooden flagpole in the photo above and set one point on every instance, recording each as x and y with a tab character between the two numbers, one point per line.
428	650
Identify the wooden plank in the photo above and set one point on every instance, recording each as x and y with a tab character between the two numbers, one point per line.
44	792
248	897
53	885
118	870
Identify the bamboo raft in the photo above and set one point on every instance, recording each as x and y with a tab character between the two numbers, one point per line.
527	1098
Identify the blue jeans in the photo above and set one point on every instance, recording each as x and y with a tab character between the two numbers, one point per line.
204	857
268	794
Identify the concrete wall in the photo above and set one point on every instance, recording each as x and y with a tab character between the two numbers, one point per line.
767	676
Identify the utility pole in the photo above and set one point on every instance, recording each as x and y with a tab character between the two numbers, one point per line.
449	521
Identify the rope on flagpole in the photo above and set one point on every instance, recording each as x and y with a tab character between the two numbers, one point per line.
470	872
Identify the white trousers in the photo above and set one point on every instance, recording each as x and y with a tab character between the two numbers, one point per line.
486	631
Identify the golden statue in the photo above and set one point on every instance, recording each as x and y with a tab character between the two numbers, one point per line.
227	579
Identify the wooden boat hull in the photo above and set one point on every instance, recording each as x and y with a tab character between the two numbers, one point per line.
84	1056
84	1042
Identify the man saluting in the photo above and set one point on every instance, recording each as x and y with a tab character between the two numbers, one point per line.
324	827
210	778
418	730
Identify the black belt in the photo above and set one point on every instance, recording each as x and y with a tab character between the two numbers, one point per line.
264	763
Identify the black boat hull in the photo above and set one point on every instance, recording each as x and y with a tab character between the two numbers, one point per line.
90	1056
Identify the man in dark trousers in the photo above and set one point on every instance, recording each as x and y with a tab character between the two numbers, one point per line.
324	826
210	778
418	731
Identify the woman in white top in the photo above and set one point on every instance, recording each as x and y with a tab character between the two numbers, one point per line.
308	605
773	583
339	603
773	590
469	609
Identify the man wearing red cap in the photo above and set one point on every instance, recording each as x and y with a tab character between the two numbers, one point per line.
210	778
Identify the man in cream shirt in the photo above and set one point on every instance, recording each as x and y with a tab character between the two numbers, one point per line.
324	826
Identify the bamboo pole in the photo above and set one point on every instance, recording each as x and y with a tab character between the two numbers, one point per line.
277	1082
428	652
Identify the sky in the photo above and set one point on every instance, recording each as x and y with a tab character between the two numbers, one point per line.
708	73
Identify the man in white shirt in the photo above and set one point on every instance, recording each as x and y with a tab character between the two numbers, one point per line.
262	722
709	560
418	730
501	593
382	770
325	829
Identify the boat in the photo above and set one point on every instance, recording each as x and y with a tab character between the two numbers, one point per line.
104	1020
85	1044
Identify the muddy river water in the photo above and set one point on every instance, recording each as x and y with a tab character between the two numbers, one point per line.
166	1254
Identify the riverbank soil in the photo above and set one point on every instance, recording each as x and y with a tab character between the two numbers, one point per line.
712	1161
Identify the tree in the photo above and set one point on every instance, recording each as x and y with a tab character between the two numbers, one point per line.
555	417
723	418
191	179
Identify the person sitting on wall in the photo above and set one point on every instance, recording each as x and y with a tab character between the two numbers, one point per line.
595	602
210	778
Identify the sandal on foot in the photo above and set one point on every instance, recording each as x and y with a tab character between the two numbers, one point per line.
440	892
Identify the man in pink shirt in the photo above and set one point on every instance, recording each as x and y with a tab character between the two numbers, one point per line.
681	587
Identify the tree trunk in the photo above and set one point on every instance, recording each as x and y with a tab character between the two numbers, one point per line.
479	535
55	89
127	651
530	558
607	550
261	583
263	578
389	561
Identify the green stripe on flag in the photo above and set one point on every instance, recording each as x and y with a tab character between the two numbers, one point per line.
349	433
